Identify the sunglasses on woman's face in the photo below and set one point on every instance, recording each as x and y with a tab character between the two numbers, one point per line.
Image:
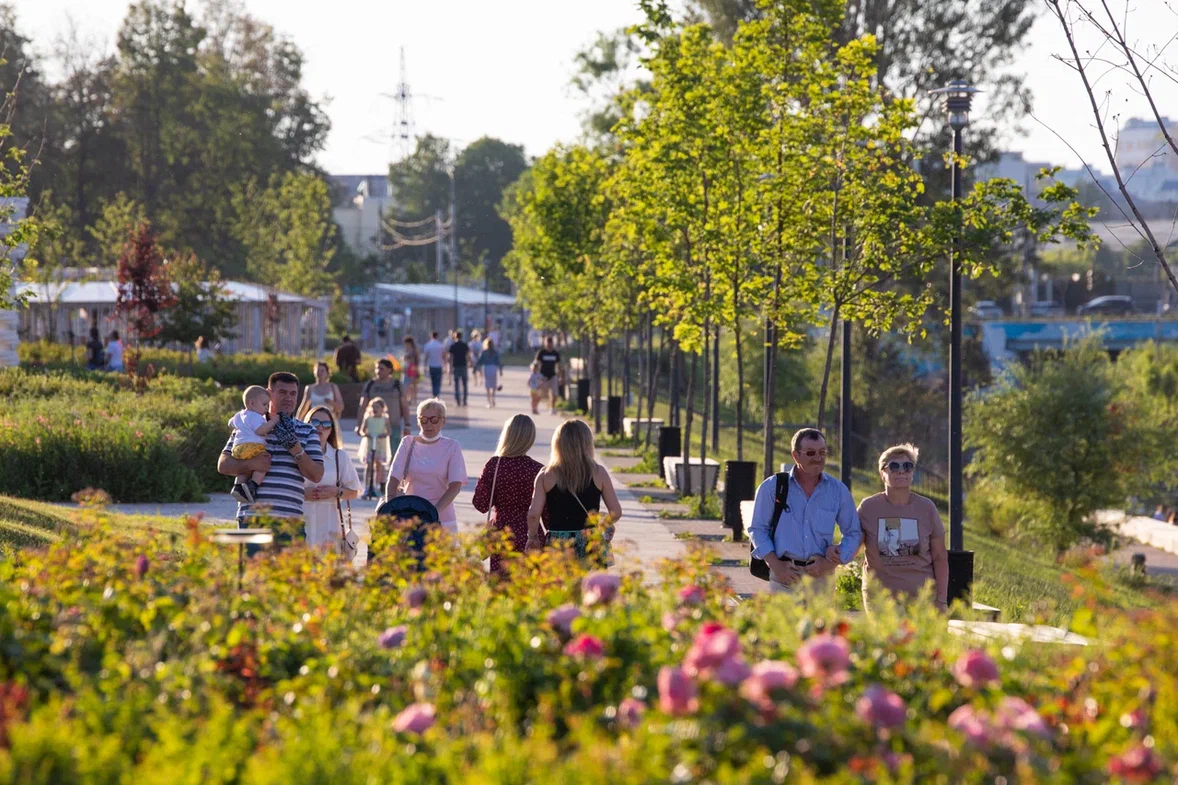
433	419
897	466
320	423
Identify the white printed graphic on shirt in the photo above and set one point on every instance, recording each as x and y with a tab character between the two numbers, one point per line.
898	537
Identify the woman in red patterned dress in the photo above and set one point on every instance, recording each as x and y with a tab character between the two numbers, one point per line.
511	473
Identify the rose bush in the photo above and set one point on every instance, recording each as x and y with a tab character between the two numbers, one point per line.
314	672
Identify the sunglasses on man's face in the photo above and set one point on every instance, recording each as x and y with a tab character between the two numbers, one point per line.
814	453
897	466
433	419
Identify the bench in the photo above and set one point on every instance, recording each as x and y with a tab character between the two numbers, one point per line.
630	423
707	473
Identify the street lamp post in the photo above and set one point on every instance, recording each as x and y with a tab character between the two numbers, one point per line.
454	244
958	96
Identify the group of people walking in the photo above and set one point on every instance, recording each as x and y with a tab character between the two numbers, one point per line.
298	468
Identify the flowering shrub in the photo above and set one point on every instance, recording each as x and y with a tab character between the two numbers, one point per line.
113	671
60	434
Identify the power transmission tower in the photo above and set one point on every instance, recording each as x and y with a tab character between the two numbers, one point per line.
403	130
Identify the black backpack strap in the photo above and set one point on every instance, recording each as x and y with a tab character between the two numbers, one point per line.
780	502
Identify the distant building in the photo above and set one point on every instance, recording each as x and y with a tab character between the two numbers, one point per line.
1146	160
360	201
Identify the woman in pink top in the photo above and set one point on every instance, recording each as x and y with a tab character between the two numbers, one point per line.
903	535
431	465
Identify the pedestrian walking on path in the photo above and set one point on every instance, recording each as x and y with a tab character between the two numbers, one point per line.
903	535
412	369
570	486
324	392
552	371
388	388
429	465
491	365
292	456
324	521
459	365
375	444
504	489
802	548
434	354
347	358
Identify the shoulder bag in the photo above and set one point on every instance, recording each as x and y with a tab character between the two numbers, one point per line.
494	480
348	537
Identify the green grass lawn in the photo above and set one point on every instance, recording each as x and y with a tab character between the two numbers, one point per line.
25	523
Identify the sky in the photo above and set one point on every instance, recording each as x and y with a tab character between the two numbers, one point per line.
502	69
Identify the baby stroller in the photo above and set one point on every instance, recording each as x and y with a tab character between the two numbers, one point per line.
416	512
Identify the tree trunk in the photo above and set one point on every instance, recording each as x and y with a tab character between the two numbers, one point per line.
739	392
656	365
685	490
596	402
673	380
834	321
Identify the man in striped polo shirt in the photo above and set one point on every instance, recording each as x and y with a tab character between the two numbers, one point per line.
281	493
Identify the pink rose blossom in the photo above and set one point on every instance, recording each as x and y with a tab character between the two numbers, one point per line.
416	718
393	637
825	658
630	712
585	647
731	672
561	619
975	668
677	692
714	645
881	708
599	588
141	565
1017	714
671	620
1139	764
972	724
691	595
767	678
415	597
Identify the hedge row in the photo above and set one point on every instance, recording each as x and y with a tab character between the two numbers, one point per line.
230	370
61	432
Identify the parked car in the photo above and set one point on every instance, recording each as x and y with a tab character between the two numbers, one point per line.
1108	305
1046	308
986	309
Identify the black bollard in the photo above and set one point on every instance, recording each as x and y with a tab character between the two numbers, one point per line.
583	387
613	413
1138	566
740	484
670	443
960	575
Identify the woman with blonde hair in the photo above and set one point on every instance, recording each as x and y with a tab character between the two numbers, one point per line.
505	485
324	392
902	534
569	487
323	516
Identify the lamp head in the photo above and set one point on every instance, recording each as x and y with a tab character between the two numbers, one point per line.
958	97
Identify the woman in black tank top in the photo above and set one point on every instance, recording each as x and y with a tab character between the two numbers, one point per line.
568	514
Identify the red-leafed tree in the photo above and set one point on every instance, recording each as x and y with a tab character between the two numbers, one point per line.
144	288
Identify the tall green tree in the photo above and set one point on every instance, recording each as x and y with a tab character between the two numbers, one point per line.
483	171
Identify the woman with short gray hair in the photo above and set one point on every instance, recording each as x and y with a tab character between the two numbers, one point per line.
429	465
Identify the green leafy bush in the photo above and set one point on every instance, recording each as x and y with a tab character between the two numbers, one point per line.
132	661
234	370
60	433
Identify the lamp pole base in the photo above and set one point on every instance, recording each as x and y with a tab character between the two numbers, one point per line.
960	575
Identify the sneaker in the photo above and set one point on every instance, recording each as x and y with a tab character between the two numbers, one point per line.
251	488
243	493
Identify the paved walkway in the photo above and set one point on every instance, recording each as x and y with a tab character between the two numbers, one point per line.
641	540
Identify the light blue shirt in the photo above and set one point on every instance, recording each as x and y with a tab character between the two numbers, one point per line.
806	529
